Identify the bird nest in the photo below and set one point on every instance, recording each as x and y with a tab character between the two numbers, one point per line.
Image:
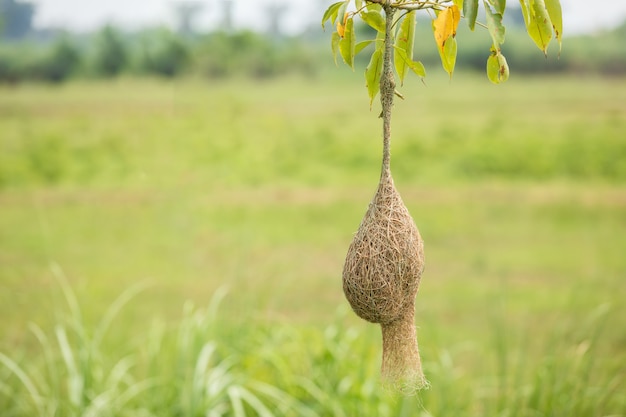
385	260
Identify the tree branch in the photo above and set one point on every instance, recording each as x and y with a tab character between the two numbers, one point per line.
412	5
387	87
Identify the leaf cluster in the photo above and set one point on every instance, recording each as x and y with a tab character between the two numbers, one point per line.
542	19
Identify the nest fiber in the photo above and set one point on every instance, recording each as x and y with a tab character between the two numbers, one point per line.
385	260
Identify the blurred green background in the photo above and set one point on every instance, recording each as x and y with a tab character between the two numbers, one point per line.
215	181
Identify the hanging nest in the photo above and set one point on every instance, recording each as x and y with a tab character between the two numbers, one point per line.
385	260
381	278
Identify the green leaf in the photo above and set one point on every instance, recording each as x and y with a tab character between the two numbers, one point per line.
538	23
448	55
415	66
497	67
334	45
494	24
331	13
525	5
374	7
504	68
405	39
499	5
470	11
361	45
459	4
374	19
418	68
373	73
348	43
556	16
493	69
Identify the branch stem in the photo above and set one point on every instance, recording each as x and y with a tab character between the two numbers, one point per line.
412	5
387	88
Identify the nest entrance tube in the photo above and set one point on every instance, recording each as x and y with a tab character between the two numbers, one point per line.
381	278
402	367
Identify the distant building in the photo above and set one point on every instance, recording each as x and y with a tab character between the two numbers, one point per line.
16	19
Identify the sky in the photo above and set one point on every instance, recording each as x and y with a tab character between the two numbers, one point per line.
85	15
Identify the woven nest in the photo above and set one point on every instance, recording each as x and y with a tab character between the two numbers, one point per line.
385	260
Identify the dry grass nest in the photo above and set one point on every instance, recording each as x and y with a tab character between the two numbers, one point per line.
385	260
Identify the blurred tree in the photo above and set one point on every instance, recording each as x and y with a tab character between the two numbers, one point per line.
164	54
227	16
274	13
60	63
9	68
186	14
16	18
247	53
111	53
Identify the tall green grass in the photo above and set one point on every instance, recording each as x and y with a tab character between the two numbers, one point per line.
71	374
199	367
176	372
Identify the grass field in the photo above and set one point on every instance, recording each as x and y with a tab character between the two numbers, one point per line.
180	194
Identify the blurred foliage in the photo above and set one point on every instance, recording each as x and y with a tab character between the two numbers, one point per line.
240	130
112	55
247	53
161	52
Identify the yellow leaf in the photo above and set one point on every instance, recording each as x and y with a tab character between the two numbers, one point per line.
445	25
341	26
